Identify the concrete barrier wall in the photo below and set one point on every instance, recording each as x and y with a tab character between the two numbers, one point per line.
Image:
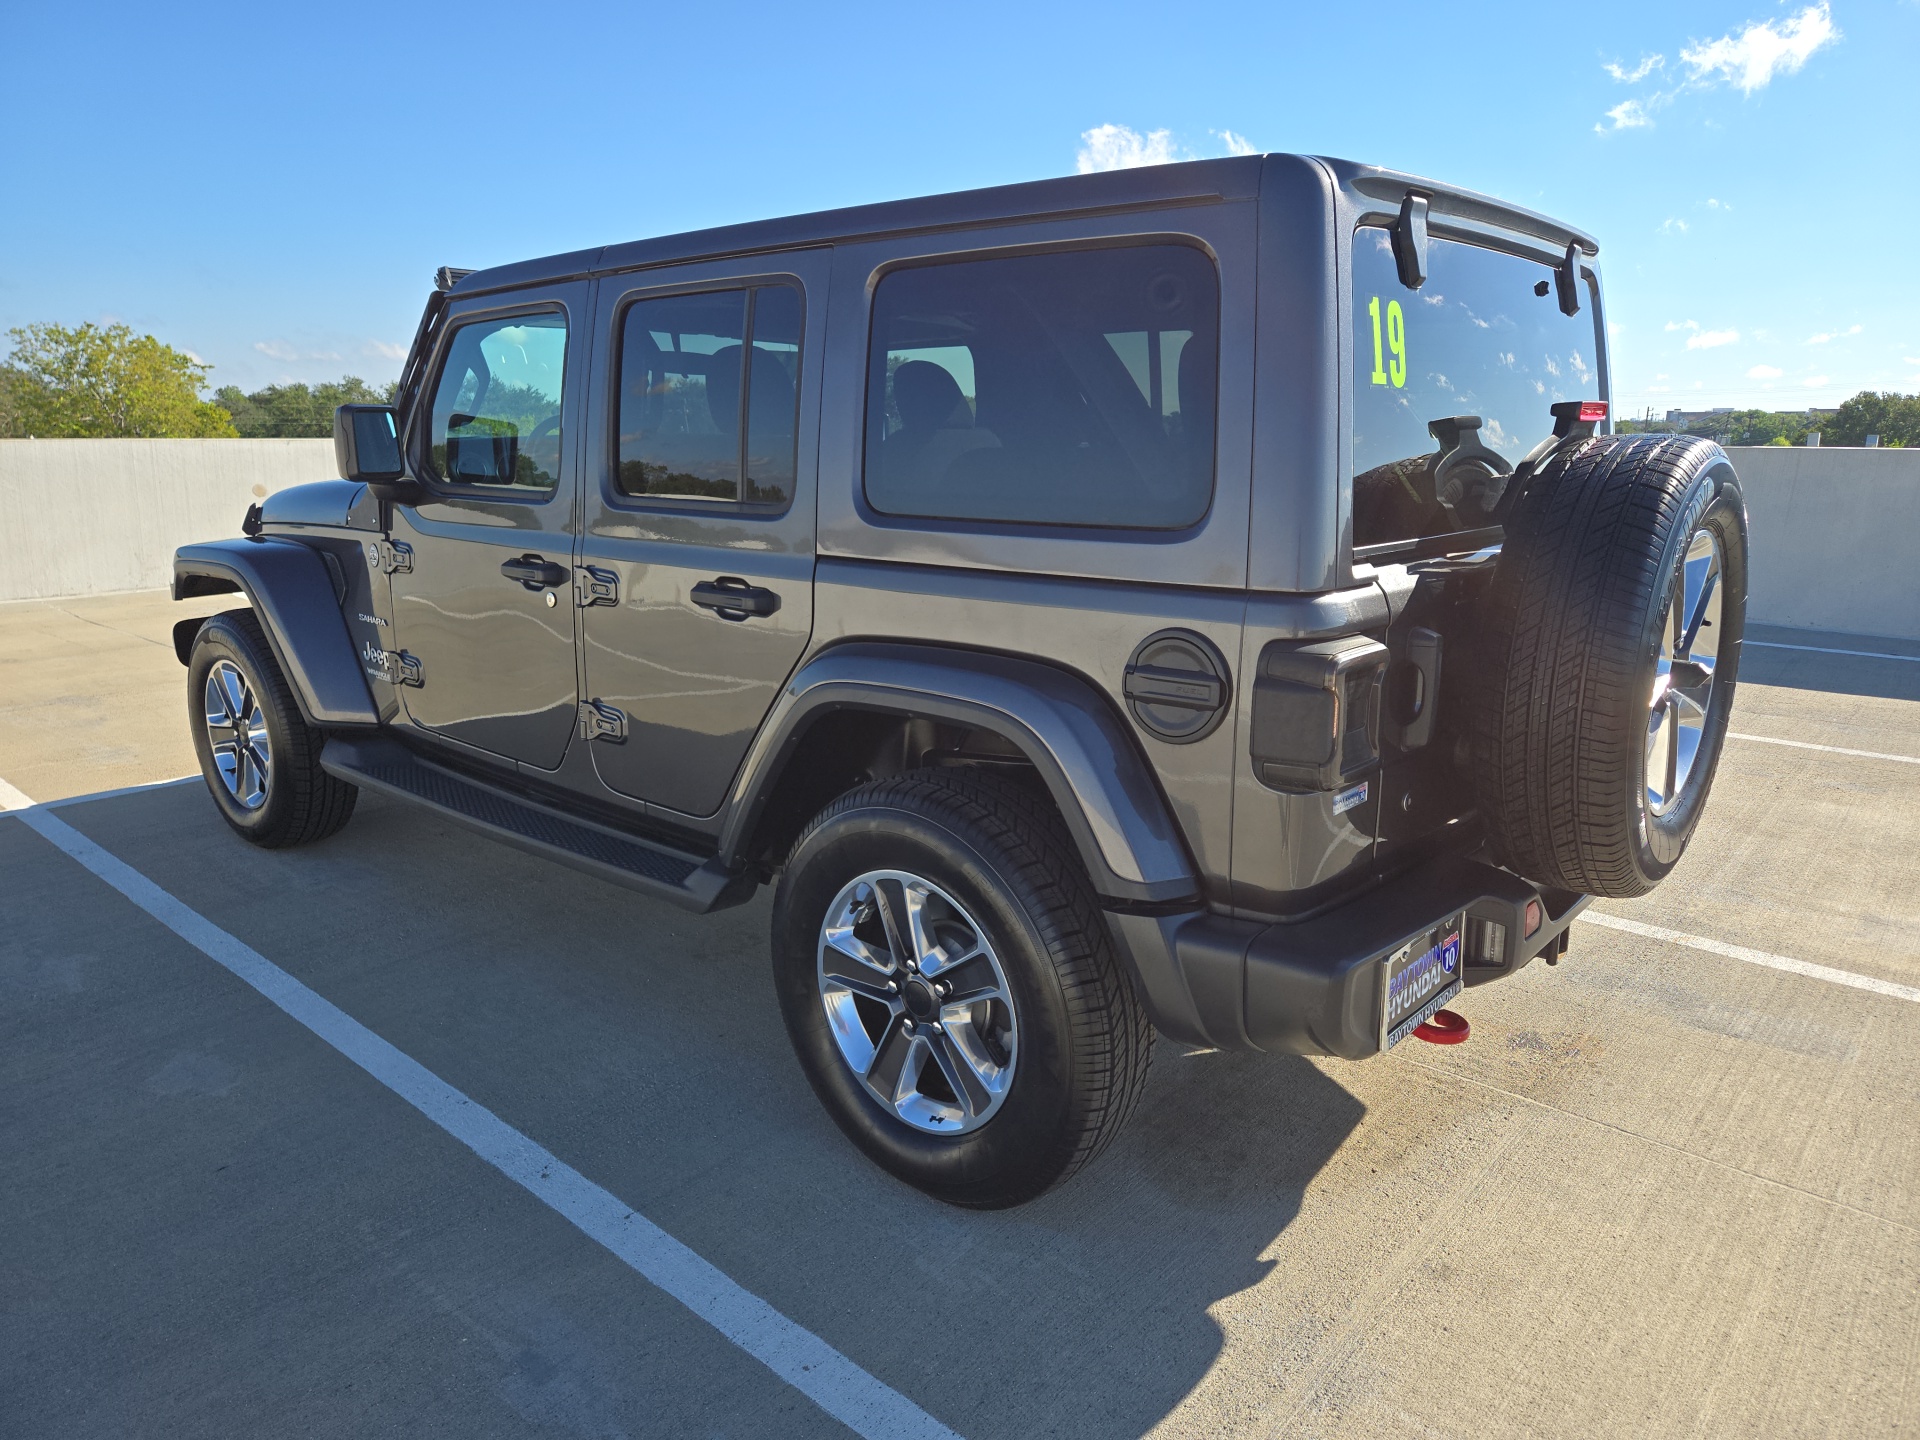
89	517
1836	538
1835	532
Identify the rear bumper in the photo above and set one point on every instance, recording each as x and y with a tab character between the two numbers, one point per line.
1313	987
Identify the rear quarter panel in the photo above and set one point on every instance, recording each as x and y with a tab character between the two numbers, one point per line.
1081	599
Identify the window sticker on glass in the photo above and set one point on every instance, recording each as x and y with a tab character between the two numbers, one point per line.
1452	383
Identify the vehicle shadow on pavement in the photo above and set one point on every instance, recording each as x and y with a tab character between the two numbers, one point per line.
1764	664
644	1046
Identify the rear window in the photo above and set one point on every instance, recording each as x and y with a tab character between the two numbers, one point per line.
1452	382
1074	388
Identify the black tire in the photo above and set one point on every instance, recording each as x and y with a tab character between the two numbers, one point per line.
1594	551
302	803
1083	1037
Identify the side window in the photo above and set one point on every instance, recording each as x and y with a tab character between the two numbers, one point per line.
496	407
709	396
1074	388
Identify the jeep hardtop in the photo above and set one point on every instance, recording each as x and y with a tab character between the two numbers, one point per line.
1205	599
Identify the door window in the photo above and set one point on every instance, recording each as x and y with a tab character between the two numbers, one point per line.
496	408
709	396
1074	388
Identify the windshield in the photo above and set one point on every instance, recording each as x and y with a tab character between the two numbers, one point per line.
1452	382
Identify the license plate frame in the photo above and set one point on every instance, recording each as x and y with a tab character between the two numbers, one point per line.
1419	978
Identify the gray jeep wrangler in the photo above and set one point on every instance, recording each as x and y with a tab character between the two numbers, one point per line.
1206	599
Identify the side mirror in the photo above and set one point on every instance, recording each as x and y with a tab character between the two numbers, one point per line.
366	446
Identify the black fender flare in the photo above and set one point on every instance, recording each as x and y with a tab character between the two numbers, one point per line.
292	593
1113	806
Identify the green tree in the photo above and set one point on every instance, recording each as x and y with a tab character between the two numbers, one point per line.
1733	427
1894	418
98	381
288	411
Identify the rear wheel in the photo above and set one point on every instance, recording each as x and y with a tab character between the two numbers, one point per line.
950	990
1613	635
260	758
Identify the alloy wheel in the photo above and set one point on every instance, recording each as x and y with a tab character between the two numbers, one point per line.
237	735
1683	676
917	1001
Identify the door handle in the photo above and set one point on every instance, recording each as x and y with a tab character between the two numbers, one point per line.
533	572
733	598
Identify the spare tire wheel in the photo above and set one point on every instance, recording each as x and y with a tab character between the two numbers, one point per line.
1612	640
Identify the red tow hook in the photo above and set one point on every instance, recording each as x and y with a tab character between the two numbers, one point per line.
1445	1028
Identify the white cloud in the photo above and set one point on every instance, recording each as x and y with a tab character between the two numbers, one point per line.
1764	49
386	351
195	358
1823	338
323	355
276	349
1627	115
1712	339
1815	382
1910	359
1749	59
1765	372
1115	147
1673	325
1648	64
1713	204
1670	225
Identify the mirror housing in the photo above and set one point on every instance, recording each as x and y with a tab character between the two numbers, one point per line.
366	447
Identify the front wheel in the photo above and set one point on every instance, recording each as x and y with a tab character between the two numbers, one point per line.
260	758
950	990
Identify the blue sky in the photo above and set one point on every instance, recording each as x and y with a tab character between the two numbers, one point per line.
272	186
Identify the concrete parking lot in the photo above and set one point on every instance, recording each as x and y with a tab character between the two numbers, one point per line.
1670	1187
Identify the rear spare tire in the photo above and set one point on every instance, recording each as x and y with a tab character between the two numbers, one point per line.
1612	640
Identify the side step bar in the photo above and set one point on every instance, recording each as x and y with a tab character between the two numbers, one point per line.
384	765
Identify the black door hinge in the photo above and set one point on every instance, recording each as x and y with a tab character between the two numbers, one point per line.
600	721
390	555
594	586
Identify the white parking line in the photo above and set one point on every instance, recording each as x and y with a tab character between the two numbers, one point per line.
12	799
799	1357
1830	749
1756	957
1829	650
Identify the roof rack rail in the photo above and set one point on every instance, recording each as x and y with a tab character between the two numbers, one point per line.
448	276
